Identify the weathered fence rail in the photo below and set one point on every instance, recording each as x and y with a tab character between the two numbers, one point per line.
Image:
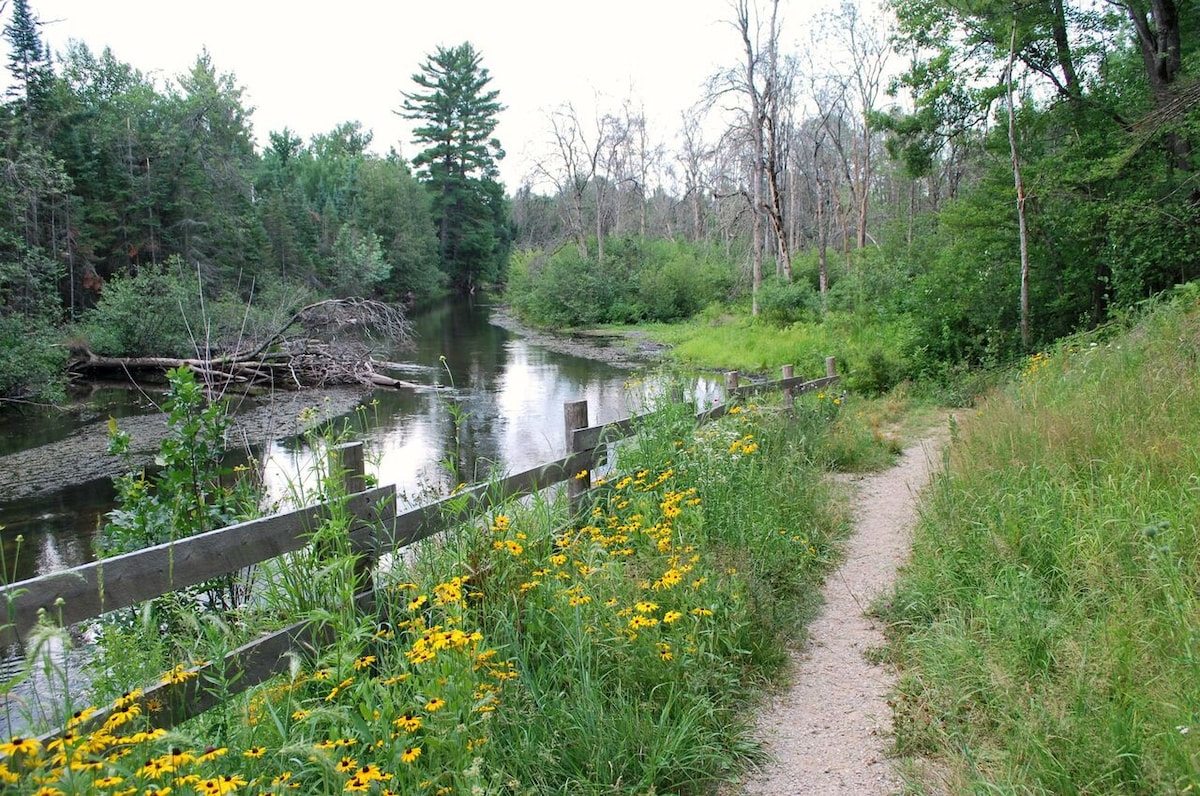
86	592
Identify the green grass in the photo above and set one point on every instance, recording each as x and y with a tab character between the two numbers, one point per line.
1048	627
871	354
525	652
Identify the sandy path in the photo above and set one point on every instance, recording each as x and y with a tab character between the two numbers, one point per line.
829	732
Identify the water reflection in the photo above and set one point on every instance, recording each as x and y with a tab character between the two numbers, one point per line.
484	409
485	402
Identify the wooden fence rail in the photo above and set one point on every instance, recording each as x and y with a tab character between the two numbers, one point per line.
90	590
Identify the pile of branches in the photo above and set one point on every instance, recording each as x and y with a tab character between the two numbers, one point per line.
327	343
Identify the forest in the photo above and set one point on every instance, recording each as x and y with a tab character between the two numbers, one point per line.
976	178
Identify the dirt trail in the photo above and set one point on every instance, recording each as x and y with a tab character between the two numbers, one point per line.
829	732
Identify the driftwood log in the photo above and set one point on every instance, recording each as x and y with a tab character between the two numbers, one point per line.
323	344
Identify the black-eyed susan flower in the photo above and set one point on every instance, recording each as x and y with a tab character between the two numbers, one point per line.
179	674
80	716
212	753
373	773
407	722
20	745
435	704
255	752
410	754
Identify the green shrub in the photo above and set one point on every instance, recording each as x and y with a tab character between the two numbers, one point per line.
154	312
637	281
31	361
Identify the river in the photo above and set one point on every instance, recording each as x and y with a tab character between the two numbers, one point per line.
486	398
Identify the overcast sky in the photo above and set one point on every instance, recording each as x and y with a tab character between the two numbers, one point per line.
312	66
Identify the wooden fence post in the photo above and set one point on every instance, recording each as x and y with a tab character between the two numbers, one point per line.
575	416
789	397
731	384
348	462
831	366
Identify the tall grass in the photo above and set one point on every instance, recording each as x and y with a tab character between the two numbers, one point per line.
1048	627
872	353
524	651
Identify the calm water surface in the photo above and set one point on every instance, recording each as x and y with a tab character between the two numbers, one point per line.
488	400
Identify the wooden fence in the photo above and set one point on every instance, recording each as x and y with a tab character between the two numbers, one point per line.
87	591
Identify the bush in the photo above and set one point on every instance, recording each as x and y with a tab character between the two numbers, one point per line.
156	311
783	303
31	361
638	281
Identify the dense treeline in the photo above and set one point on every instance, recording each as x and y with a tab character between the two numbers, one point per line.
128	200
1029	172
839	189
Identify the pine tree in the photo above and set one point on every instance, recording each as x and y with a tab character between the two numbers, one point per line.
456	112
28	62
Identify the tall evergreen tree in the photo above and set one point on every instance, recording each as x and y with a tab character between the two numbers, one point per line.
456	112
28	62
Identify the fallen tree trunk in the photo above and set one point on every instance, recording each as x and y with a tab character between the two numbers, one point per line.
281	361
290	372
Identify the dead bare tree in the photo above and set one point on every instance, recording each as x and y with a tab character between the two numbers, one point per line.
1019	185
861	42
756	83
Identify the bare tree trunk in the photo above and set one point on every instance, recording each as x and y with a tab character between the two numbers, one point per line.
771	122
822	243
1020	187
757	166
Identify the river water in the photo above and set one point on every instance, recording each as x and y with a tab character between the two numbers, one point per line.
486	399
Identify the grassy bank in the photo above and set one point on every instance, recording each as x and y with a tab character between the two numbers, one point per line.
1048	627
523	652
871	354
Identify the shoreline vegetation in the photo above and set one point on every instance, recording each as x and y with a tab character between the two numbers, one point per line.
525	651
1045	627
628	649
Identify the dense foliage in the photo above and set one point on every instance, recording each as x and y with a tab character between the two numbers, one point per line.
827	191
109	179
1046	625
642	280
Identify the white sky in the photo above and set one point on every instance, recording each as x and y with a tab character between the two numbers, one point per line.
312	66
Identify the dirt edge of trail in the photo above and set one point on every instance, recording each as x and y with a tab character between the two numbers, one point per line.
830	730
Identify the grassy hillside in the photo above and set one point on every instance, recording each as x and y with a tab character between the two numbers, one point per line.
1048	627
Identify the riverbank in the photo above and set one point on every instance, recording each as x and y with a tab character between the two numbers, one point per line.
631	350
83	456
